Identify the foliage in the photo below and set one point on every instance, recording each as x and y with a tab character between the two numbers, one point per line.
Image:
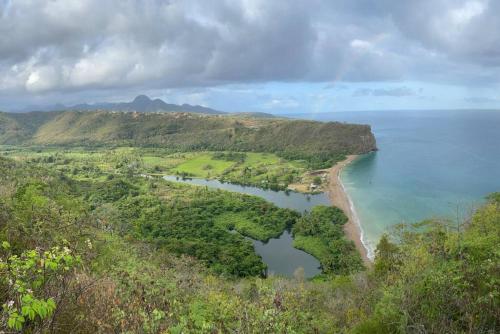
26	277
197	166
141	255
320	233
189	227
440	280
230	156
317	180
494	197
264	170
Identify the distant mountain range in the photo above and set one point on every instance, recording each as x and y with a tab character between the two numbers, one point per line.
141	103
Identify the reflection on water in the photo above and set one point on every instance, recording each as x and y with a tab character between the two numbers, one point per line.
281	258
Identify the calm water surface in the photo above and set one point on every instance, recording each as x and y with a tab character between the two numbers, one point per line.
279	254
429	164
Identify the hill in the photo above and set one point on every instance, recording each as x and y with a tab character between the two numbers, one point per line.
255	114
318	142
141	103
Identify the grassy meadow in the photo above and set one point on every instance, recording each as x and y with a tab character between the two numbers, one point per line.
265	170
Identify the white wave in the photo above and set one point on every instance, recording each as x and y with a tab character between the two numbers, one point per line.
370	249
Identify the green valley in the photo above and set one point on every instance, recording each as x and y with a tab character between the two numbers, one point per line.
132	254
92	237
264	170
249	167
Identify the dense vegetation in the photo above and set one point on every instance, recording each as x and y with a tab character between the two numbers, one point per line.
321	144
321	234
179	227
440	277
79	255
186	220
190	226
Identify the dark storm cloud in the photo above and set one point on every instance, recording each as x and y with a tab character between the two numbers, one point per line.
74	45
465	30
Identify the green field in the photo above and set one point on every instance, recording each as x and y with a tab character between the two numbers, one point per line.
312	245
259	169
265	170
202	165
239	222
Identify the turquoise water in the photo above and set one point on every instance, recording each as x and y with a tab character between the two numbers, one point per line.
429	164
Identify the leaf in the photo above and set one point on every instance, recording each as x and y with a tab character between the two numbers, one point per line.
25	310
11	322
32	314
52	265
42	311
27	299
15	321
29	312
51	304
36	306
5	245
19	322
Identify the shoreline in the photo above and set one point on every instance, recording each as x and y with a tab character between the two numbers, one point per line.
340	199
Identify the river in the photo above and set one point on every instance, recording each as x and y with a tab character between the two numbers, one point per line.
279	254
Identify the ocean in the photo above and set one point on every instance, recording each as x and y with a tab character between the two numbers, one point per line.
430	164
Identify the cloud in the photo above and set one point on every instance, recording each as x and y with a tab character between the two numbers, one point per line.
281	103
462	30
394	92
81	46
481	100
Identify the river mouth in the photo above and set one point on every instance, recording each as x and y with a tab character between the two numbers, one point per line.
278	253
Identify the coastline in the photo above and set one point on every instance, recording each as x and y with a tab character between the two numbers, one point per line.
340	199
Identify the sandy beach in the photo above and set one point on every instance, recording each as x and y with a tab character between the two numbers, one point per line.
339	198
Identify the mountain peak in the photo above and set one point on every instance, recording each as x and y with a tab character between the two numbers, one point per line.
142	99
141	103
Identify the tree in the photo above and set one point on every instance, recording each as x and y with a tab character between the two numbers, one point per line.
317	180
386	255
28	277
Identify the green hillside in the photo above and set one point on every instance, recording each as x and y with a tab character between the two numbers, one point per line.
137	255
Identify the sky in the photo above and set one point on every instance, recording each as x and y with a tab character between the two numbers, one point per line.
279	56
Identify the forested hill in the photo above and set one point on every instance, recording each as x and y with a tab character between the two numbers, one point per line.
186	131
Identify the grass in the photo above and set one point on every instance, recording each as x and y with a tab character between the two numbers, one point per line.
269	159
161	162
260	158
243	225
202	165
258	169
311	245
